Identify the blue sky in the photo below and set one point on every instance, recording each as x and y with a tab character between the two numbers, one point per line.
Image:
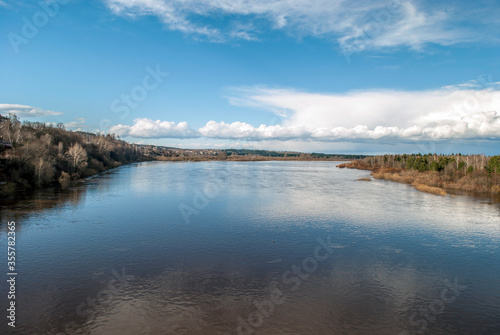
331	76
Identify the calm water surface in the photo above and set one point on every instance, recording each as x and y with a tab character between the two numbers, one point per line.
251	248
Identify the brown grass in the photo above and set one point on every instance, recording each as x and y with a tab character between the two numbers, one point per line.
364	179
398	176
495	190
429	182
359	165
430	189
478	181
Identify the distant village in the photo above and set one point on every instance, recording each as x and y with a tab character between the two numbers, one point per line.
161	151
155	152
169	153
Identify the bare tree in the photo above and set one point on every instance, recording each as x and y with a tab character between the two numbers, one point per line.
46	139
78	156
101	143
60	148
44	171
13	129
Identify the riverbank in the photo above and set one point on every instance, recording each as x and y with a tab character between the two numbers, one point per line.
40	155
10	190
247	159
453	177
35	155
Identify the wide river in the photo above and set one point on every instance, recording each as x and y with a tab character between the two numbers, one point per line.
250	248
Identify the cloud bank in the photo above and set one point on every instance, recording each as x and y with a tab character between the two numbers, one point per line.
454	112
25	111
355	25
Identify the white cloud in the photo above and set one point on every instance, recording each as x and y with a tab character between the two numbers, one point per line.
356	25
78	124
382	116
25	111
437	114
146	128
483	82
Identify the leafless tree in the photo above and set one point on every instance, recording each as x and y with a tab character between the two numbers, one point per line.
44	171
60	148
78	156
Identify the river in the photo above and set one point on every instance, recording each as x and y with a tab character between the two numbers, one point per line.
250	248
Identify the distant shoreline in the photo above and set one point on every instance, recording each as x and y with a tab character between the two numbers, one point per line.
35	155
248	159
451	176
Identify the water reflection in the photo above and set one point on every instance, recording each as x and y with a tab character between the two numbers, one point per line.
114	255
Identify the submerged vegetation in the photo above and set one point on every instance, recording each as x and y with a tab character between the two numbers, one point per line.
434	173
35	154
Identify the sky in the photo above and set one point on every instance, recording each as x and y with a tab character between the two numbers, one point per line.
332	76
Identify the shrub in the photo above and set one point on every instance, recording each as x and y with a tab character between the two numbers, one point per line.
7	189
64	178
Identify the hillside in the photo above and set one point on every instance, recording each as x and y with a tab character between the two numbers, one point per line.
37	154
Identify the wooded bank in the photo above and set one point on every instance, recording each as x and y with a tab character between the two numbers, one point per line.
435	173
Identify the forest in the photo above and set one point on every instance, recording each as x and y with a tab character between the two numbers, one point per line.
297	155
434	173
35	154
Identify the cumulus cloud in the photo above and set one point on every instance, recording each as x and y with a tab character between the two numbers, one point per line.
352	117
147	128
78	124
25	111
355	25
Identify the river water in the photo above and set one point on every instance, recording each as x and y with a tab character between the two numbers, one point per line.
251	248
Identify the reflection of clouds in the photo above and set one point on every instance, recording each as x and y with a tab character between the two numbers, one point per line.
334	195
153	177
378	290
176	177
124	316
374	280
175	302
36	304
357	296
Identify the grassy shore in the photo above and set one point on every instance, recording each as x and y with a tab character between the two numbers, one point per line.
454	176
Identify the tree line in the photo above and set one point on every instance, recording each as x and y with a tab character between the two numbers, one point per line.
475	173
439	163
44	153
